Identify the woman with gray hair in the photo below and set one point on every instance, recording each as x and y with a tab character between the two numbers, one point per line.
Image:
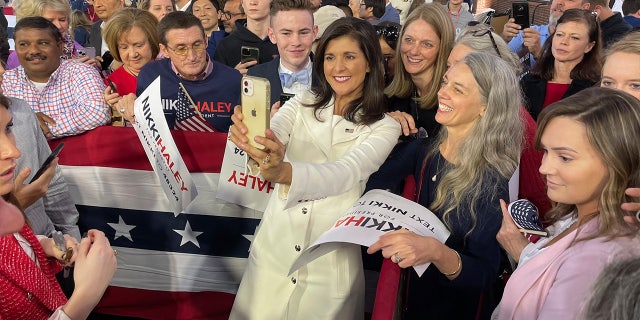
615	294
480	37
460	176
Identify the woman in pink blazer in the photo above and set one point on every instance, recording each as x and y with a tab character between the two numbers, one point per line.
590	158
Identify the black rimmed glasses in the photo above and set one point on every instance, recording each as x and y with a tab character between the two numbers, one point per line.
182	50
390	33
228	14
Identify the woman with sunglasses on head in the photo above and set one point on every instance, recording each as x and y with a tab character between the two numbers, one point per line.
425	42
480	37
570	61
460	174
28	263
388	33
589	160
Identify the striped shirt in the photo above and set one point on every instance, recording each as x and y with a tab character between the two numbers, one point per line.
73	97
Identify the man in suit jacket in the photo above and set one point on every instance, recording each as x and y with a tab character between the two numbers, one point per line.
293	31
104	9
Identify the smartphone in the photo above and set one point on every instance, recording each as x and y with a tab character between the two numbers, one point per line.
87	52
521	13
47	162
284	97
255	98
249	54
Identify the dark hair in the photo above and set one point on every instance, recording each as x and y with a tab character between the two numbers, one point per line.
38	23
389	32
378	7
289	5
630	6
370	107
590	66
215	3
4	101
177	20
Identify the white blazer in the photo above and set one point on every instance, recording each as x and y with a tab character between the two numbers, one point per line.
331	162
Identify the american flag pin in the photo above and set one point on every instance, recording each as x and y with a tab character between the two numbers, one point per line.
348	130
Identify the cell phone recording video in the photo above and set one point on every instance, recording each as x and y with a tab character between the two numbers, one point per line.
521	14
249	54
255	100
47	162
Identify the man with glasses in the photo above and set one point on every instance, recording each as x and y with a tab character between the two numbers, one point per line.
213	87
232	11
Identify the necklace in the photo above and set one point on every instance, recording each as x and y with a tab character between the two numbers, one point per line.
130	71
434	178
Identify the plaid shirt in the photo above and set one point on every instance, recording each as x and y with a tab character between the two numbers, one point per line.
73	97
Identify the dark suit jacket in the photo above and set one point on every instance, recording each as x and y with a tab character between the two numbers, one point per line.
534	89
269	70
95	37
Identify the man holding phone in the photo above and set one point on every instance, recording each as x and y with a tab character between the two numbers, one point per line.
293	31
251	32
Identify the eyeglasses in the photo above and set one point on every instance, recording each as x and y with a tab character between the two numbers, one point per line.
480	33
197	48
228	14
390	33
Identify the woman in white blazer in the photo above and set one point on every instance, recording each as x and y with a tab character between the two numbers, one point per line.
321	149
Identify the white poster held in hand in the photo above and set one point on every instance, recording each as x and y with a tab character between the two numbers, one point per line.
237	185
374	214
157	142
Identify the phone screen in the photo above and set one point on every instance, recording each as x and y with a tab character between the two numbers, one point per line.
47	162
249	54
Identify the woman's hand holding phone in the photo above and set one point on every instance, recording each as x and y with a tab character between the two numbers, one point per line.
28	194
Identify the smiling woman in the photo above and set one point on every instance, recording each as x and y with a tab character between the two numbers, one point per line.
425	42
460	174
320	150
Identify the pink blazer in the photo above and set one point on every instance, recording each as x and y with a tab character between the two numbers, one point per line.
26	290
555	283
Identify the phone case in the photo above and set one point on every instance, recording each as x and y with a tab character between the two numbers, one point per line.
249	54
255	100
521	14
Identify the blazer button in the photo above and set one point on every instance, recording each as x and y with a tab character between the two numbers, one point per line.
293	280
298	247
29	296
304	210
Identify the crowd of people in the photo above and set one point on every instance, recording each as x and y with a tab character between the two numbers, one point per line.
420	99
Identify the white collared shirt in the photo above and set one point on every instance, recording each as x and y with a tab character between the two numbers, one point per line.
297	87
